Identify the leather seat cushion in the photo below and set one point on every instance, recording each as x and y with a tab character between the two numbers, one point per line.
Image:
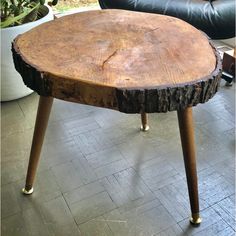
216	18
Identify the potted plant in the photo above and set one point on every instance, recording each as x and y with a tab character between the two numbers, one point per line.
17	17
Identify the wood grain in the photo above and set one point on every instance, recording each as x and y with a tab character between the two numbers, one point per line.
43	113
188	146
129	61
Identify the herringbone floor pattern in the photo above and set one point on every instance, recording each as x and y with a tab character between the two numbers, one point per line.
100	176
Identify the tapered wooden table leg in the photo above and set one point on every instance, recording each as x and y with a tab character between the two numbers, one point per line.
44	108
144	120
187	138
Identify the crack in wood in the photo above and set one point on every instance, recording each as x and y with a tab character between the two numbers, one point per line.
108	58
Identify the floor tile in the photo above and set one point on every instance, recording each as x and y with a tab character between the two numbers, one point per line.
14	225
149	222
13	201
78	126
67	176
12	171
126	187
63	110
21	141
172	231
58	152
213	187
227	169
56	131
103	158
84	170
10	112
158	174
212	224
175	201
226	209
138	150
93	141
107	162
83	192
96	226
34	223
56	212
91	207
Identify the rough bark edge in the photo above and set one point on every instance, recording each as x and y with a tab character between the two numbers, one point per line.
132	100
32	78
171	98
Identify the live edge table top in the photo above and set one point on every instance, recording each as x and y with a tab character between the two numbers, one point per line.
128	61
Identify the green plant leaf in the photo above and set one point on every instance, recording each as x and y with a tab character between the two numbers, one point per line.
11	20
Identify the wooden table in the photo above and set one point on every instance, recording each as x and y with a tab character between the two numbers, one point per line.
127	61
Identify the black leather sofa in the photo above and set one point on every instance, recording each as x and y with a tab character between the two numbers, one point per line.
214	17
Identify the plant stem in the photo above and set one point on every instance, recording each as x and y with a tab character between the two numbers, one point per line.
12	20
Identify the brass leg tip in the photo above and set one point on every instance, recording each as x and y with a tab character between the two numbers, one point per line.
196	221
144	128
27	192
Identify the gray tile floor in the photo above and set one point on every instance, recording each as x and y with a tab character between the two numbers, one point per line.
99	175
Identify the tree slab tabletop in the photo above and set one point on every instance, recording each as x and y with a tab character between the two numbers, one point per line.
128	61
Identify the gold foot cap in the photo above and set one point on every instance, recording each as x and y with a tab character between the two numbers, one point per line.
196	221
27	192
145	128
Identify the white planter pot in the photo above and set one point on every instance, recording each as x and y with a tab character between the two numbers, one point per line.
12	86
